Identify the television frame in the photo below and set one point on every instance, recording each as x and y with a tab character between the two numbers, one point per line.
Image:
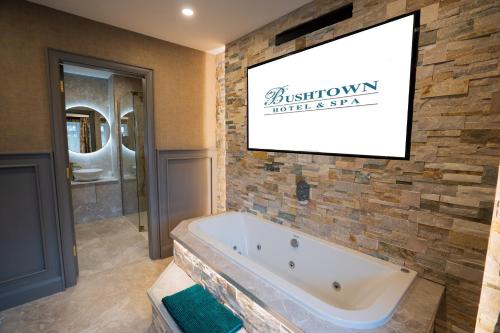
411	92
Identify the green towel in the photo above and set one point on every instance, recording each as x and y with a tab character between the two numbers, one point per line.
195	310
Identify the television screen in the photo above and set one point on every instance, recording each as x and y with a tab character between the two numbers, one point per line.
349	96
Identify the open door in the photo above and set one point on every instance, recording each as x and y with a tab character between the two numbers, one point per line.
61	170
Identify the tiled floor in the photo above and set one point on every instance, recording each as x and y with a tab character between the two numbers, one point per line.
115	272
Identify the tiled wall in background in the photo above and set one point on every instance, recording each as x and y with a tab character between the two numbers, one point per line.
92	92
96	201
431	213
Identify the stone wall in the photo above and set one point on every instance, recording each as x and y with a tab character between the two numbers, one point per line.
220	135
431	213
256	319
488	319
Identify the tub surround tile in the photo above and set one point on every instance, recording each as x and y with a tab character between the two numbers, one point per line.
248	294
256	318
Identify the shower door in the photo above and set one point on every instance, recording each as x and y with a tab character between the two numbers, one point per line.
140	161
133	172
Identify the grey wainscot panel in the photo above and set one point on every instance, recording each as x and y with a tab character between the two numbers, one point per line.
186	182
30	261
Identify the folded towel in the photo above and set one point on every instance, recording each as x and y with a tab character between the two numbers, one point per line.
195	310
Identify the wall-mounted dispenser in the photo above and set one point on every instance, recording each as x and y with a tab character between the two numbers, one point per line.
303	192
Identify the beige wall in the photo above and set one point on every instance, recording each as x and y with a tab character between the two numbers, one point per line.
431	213
184	93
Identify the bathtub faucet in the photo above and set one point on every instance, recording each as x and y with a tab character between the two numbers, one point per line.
294	242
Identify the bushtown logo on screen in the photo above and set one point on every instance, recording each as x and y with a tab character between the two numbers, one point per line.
348	96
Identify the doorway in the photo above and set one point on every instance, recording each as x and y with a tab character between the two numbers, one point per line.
104	152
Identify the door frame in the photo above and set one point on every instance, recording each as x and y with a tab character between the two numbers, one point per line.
61	158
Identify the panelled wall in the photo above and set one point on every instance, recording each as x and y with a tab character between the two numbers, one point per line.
30	265
186	181
431	213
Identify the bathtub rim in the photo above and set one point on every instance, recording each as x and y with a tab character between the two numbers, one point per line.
339	247
374	316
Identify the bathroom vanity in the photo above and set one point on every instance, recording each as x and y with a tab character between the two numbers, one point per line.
95	200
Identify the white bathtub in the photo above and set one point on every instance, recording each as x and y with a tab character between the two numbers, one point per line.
343	286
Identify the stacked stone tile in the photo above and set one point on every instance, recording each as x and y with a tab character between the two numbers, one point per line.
220	135
256	319
431	213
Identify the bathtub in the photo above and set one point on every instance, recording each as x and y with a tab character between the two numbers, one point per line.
340	285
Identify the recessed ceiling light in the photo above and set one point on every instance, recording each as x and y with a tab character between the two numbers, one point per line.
187	12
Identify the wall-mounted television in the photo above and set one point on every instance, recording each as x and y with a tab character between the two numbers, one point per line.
351	96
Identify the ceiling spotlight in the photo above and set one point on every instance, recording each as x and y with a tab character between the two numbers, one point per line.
187	12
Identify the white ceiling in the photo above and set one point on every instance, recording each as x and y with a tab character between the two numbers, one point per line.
214	23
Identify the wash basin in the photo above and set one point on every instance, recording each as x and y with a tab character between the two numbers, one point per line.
86	175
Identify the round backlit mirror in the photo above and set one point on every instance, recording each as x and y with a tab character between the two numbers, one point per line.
88	130
127	130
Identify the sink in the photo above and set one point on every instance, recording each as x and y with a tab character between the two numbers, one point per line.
87	175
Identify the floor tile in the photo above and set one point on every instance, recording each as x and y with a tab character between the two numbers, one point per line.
115	273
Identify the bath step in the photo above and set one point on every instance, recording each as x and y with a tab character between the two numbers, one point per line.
172	280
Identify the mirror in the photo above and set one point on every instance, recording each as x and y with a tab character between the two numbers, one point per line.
127	130
88	130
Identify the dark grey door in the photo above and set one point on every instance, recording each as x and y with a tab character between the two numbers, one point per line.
30	262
